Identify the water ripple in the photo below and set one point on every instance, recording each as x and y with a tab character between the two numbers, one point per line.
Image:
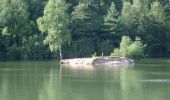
156	80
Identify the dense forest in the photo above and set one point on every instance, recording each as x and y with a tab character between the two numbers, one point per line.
41	29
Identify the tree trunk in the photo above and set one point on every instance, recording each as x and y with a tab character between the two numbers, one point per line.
61	57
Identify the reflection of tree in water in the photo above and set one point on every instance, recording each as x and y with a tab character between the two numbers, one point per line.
76	83
97	83
131	88
134	85
107	84
45	81
3	88
51	87
22	80
100	83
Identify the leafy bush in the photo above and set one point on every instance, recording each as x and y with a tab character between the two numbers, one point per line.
129	48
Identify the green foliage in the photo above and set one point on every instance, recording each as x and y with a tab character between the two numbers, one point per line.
86	19
14	26
129	48
5	31
131	15
83	47
136	49
111	19
81	27
36	8
55	22
156	24
105	47
157	12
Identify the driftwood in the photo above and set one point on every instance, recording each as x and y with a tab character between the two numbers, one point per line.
98	61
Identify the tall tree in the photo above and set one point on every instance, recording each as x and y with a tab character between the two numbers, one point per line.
154	29
131	16
86	18
55	22
15	27
36	8
111	19
87	22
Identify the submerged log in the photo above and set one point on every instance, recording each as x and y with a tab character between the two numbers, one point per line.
98	61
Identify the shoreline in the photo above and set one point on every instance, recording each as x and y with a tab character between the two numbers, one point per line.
105	60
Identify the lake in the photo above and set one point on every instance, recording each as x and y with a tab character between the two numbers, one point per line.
149	79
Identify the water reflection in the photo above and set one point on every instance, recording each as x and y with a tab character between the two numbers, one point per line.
23	80
49	81
101	83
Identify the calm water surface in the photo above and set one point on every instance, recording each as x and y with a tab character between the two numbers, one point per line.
46	80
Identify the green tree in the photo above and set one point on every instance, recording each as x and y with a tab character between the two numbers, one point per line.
130	18
86	19
87	22
129	48
55	22
132	14
111	19
36	8
14	23
154	29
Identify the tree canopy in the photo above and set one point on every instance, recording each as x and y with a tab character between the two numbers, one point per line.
41	29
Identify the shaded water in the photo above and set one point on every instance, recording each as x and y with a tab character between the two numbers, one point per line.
46	80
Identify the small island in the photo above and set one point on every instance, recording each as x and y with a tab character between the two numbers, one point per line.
105	60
